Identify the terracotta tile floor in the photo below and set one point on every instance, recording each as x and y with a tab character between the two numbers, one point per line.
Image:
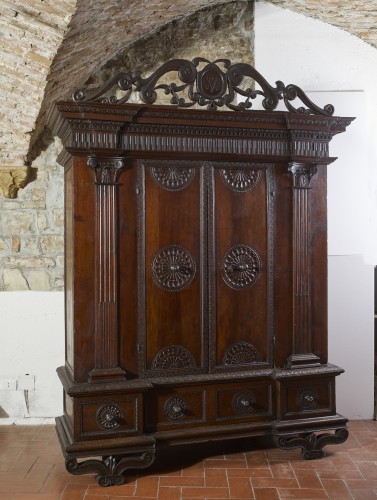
32	467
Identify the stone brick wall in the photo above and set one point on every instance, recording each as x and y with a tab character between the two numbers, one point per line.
223	30
31	230
358	17
55	41
31	225
63	44
31	32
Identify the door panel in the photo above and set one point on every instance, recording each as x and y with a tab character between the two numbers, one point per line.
205	260
174	259
243	235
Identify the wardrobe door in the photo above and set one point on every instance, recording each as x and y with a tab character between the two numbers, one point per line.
172	268
242	255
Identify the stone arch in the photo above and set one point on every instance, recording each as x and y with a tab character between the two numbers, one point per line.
67	42
33	239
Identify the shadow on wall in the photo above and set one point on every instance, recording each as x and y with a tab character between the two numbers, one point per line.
3	413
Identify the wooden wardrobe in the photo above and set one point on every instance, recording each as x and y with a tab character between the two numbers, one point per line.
196	267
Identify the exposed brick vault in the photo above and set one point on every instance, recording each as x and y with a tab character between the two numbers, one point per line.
51	47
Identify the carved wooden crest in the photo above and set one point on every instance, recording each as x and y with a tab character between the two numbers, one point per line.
211	84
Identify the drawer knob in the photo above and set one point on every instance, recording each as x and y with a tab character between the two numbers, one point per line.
242	402
175	408
109	417
307	398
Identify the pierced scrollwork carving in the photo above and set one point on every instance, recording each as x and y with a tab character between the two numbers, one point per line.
110	470
242	265
173	268
243	402
240	180
211	84
175	408
241	353
172	178
307	398
311	444
109	416
173	356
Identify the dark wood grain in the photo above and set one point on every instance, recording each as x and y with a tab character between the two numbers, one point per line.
196	281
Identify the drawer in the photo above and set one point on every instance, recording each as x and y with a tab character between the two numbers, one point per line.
106	416
250	401
169	409
307	398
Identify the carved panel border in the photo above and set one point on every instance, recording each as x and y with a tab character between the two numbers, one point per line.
268	170
143	167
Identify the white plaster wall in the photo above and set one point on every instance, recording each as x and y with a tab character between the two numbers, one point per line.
342	70
32	342
319	57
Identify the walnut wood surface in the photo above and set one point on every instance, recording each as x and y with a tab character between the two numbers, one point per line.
196	278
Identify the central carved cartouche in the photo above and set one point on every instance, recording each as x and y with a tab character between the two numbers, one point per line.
211	82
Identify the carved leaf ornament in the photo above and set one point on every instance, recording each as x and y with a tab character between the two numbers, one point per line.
211	84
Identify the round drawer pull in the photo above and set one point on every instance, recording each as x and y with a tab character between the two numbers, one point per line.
109	417
175	408
242	402
307	398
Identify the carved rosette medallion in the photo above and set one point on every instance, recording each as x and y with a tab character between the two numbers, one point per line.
242	265
173	268
172	178
106	170
241	353
240	180
173	356
307	398
175	408
109	417
243	402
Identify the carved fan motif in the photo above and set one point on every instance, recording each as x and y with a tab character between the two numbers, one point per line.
173	356
241	353
241	179
242	266
172	178
173	268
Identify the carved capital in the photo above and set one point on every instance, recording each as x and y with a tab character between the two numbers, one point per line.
106	170
302	174
12	179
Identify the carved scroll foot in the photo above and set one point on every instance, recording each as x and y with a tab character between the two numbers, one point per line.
311	444
110	469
